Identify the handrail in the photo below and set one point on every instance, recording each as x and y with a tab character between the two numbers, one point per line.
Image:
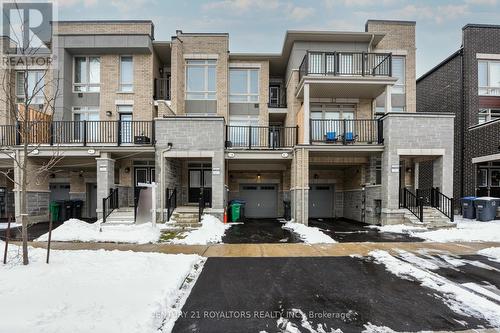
346	131
411	202
171	202
201	204
109	204
261	137
432	197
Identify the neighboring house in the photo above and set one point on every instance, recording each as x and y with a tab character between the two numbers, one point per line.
467	83
329	124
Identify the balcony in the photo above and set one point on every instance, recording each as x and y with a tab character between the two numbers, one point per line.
78	133
162	89
346	131
261	137
346	63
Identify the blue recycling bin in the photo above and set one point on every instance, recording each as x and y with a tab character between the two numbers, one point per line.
486	208
468	209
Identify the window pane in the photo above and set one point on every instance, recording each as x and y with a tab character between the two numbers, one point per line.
94	70
398	70
195	96
482	73
494	74
80	70
348	115
237	98
332	115
126	73
195	78
238	81
20	84
254	81
495	177
211	78
316	115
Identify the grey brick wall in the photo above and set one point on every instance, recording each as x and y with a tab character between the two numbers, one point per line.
38	206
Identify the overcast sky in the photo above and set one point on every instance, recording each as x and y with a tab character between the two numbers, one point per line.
260	25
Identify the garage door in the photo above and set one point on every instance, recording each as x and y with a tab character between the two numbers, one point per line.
261	200
59	192
320	201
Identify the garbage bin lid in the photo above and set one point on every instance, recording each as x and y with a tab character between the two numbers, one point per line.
469	198
487	199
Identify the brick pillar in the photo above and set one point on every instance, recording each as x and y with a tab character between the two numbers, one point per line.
105	179
306	114
300	186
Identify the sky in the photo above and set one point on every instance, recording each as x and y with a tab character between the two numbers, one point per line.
260	25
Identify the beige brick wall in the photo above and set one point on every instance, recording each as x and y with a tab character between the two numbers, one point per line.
186	44
102	28
142	95
293	104
400	36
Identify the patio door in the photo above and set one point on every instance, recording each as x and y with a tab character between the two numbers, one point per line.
200	179
274	95
126	127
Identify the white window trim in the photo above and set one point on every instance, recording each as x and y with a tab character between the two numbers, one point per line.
20	98
87	84
207	92
84	109
248	94
488	115
120	84
490	90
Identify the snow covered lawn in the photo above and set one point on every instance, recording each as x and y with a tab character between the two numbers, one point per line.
92	291
211	231
310	235
492	252
75	230
465	231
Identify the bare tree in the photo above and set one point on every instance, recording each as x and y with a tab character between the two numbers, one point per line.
29	93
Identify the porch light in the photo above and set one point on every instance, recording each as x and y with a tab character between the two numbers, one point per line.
127	170
258	176
109	113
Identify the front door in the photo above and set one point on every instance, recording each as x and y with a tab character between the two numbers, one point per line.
274	95
200	178
144	175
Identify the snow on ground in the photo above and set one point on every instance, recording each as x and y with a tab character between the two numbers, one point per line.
3	226
211	231
492	252
458	298
92	291
77	230
465	231
310	235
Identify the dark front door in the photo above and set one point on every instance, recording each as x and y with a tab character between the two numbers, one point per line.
200	180
126	128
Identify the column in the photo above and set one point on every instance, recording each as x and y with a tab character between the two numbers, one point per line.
306	121
442	176
105	179
388	99
416	172
300	186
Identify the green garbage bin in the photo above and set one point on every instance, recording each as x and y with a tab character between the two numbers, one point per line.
235	212
54	211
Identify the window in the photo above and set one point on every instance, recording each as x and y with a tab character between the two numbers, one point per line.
91	116
240	132
482	178
378	171
34	87
126	74
488	77
244	85
486	115
398	70
495	177
200	79
126	125
87	74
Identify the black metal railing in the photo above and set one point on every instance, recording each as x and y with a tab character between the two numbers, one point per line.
411	202
85	132
162	89
261	137
346	63
170	201
432	197
109	204
277	104
346	131
201	204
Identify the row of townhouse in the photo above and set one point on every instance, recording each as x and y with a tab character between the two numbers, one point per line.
467	83
327	127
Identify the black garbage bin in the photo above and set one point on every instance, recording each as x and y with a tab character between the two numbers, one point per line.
486	208
468	209
77	209
288	210
68	209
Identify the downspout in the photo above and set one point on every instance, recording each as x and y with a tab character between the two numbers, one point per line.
162	179
462	129
303	188
370	43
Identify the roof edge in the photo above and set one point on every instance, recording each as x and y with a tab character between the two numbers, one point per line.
440	64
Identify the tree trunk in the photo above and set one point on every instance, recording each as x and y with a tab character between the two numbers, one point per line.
24	194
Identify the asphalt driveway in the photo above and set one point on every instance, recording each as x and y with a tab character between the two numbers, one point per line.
259	231
346	293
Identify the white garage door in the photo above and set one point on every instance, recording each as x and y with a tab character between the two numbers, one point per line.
261	200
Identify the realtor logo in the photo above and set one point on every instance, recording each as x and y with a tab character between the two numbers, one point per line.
28	26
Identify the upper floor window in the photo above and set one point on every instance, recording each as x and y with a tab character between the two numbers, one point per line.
126	74
87	74
486	115
488	77
34	87
332	111
200	79
244	85
398	70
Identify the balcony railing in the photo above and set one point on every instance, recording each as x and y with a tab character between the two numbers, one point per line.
346	63
162	89
261	137
84	133
346	131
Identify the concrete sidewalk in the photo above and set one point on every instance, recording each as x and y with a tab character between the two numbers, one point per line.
275	250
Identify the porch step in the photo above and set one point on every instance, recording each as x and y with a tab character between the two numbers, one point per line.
432	218
121	216
186	217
